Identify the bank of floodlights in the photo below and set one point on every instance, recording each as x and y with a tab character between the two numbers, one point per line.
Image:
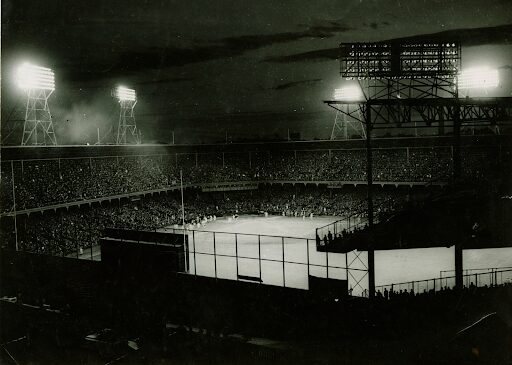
31	77
349	93
127	128
122	93
38	83
478	78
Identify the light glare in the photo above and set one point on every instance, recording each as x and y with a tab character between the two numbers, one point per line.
31	77
123	93
348	93
481	77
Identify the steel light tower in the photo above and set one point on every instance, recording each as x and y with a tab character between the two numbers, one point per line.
343	123
127	128
406	83
38	83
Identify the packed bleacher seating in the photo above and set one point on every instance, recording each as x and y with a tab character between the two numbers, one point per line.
64	232
40	183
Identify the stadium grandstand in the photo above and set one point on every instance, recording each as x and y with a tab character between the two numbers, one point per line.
302	215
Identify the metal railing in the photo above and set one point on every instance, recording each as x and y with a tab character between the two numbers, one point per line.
344	225
467	272
354	222
272	260
265	259
496	276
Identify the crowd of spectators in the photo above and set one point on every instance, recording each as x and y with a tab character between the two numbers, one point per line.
39	183
440	294
68	232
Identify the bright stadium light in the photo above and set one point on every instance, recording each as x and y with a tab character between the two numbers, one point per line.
127	126
31	77
349	93
477	78
39	84
124	94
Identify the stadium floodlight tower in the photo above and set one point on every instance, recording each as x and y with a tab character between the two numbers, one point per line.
347	124
126	126
38	83
406	83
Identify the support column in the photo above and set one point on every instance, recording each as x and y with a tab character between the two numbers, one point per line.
456	145
369	196
440	129
459	279
14	205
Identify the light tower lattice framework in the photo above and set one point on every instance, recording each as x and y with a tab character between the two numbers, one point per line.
345	126
127	131
39	84
413	86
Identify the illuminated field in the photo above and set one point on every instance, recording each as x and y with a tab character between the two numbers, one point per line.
293	238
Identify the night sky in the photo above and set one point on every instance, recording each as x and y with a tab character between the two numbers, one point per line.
253	68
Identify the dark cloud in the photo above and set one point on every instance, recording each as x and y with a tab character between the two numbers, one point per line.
505	67
256	117
171	80
136	60
468	37
374	25
296	83
317	55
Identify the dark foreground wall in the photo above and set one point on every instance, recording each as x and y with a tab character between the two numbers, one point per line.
90	297
149	297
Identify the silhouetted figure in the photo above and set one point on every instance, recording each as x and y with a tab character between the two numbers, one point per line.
329	237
